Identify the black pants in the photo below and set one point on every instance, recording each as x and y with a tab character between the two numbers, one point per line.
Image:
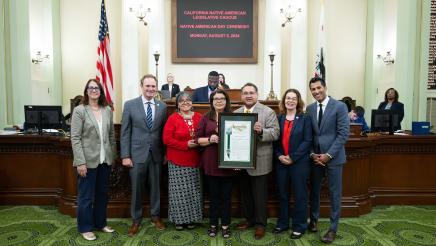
254	194
220	196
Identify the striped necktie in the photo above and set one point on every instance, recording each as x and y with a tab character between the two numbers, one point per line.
149	119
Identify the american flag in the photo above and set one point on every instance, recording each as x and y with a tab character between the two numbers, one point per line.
320	52
104	69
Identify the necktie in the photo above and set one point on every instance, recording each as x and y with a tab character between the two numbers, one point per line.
246	111
149	119
319	115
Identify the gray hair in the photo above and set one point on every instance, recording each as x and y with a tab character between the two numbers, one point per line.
181	95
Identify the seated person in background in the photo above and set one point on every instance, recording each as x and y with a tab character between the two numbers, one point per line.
202	94
170	86
222	82
391	103
357	115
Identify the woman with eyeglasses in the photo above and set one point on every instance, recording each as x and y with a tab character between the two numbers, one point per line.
184	193
292	154
94	149
219	180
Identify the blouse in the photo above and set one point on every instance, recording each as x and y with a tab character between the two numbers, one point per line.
287	129
209	155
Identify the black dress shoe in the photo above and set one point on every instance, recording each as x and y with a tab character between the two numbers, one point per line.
312	227
278	230
296	235
329	237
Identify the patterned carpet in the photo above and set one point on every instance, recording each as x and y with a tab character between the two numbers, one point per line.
393	225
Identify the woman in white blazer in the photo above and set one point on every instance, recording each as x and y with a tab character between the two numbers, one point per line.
93	143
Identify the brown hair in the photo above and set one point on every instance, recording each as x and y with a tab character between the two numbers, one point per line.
148	76
395	92
300	102
101	100
212	113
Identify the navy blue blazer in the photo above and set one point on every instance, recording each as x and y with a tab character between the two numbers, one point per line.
201	94
175	89
397	107
300	143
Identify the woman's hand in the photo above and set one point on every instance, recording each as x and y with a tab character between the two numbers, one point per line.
285	159
214	139
81	170
192	144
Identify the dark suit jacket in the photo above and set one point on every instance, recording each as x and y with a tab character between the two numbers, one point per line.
201	94
300	143
397	107
175	89
333	133
136	138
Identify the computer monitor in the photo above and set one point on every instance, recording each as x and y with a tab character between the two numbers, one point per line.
384	121
42	117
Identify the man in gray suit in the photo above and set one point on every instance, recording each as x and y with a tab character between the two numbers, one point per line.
331	127
142	149
254	181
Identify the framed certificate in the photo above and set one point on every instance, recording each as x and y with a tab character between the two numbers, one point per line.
237	146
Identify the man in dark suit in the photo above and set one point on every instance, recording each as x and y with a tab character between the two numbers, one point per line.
391	103
170	86
142	149
331	128
202	94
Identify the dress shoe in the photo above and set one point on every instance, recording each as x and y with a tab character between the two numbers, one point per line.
89	236
296	235
134	228
243	225
279	230
158	224
107	229
329	237
312	227
259	233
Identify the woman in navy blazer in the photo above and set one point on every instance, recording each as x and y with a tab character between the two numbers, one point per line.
292	151
391	103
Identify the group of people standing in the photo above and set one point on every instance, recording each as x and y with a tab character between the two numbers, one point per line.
302	146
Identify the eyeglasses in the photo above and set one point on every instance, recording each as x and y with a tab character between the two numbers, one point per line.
219	99
92	88
185	101
292	99
246	93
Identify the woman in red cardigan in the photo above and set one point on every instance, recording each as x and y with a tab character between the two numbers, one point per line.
184	194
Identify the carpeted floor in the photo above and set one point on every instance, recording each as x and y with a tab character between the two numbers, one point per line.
393	225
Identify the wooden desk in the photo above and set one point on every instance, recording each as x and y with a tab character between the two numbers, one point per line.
380	170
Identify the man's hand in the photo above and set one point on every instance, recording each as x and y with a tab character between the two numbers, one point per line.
82	170
317	159
324	158
258	128
320	159
127	162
